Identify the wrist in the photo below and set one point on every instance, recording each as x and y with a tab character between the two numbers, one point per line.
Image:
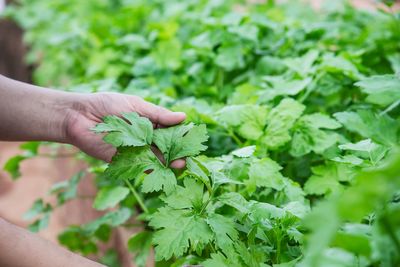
71	106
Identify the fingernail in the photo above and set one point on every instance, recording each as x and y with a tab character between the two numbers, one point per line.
180	113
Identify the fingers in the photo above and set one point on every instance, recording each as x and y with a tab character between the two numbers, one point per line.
178	164
157	114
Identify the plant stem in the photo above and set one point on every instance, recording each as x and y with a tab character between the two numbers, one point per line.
136	195
234	137
388	227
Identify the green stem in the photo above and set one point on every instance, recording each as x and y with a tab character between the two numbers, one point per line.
388	227
234	137
136	195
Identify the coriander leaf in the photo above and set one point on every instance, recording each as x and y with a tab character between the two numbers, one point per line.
224	230
12	166
230	57
160	178
235	200
265	173
140	245
133	131
130	162
178	230
113	218
382	90
218	260
247	120
280	121
380	128
282	87
194	167
309	137
302	65
319	120
189	196
180	141
108	197
244	152
327	178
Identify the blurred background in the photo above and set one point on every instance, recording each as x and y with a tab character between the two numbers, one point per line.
39	173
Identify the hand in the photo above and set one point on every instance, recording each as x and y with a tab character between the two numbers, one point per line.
89	109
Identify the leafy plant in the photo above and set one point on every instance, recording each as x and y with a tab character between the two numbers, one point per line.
291	141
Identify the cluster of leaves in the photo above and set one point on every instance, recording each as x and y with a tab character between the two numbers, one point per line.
300	111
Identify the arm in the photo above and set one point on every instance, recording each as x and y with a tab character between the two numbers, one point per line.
30	113
21	248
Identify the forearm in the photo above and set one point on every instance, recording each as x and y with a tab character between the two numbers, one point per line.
30	112
20	248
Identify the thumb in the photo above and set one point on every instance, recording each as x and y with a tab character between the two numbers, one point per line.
157	114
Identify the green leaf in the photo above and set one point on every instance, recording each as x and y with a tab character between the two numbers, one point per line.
280	121
282	87
382	90
235	200
248	120
230	57
244	152
132	130
302	65
160	178
114	218
224	231
131	162
219	260
12	166
108	197
380	128
308	135
189	196
178	230
265	173
140	245
181	141
327	178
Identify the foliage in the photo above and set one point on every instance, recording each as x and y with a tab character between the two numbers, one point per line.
299	110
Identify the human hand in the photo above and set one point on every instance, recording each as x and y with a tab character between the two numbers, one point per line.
87	110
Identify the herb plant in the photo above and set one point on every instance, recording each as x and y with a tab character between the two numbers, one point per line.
291	141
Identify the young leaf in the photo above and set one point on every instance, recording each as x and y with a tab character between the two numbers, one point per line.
130	162
108	197
280	121
180	141
224	231
178	231
133	131
382	90
265	173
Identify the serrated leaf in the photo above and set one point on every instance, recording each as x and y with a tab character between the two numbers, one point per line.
109	197
265	173
280	121
248	120
133	130
244	152
177	231
224	231
130	162
188	196
140	245
12	166
382	90
181	141
160	178
235	200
